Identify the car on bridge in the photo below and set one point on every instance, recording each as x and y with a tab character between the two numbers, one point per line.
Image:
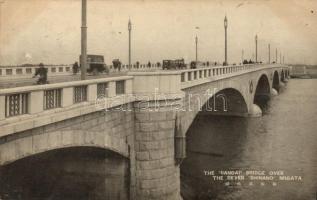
174	64
95	64
198	64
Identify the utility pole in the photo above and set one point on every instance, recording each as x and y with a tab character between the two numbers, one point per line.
225	26
196	42
129	28
83	56
269	54
256	48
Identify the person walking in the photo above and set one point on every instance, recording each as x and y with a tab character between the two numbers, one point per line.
42	72
75	68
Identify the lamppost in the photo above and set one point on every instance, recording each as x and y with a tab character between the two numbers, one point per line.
256	48
269	53
129	28
1	2
83	56
276	55
225	26
242	56
196	42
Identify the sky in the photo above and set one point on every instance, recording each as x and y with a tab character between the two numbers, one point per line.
48	31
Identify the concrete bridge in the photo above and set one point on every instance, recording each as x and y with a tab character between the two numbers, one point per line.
142	118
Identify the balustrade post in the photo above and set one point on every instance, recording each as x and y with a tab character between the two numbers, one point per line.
92	92
2	104
111	89
185	76
128	86
68	96
23	71
36	101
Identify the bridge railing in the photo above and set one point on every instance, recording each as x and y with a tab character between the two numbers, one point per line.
134	67
28	71
214	71
8	72
36	99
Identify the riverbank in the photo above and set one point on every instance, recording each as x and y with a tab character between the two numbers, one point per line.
304	76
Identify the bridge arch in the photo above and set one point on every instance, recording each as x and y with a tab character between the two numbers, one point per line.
35	144
262	91
276	81
67	173
228	101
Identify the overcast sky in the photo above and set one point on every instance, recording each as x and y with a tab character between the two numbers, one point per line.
48	31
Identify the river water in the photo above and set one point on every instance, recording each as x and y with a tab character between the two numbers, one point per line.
284	139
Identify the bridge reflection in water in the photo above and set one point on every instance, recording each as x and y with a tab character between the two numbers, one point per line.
70	173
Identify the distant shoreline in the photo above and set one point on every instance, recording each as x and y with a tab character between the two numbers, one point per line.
304	76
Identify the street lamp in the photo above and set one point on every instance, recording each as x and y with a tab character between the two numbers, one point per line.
225	26
1	2
256	48
196	45
129	28
83	57
196	42
269	53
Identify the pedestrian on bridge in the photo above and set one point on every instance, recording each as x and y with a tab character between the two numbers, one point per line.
42	72
75	68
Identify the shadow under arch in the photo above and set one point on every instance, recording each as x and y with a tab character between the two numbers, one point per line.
276	81
262	92
67	173
228	102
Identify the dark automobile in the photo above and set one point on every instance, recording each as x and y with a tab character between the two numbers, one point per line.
174	64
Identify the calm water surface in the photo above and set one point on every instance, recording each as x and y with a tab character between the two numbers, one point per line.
285	138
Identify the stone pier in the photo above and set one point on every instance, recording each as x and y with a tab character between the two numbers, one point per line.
157	173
